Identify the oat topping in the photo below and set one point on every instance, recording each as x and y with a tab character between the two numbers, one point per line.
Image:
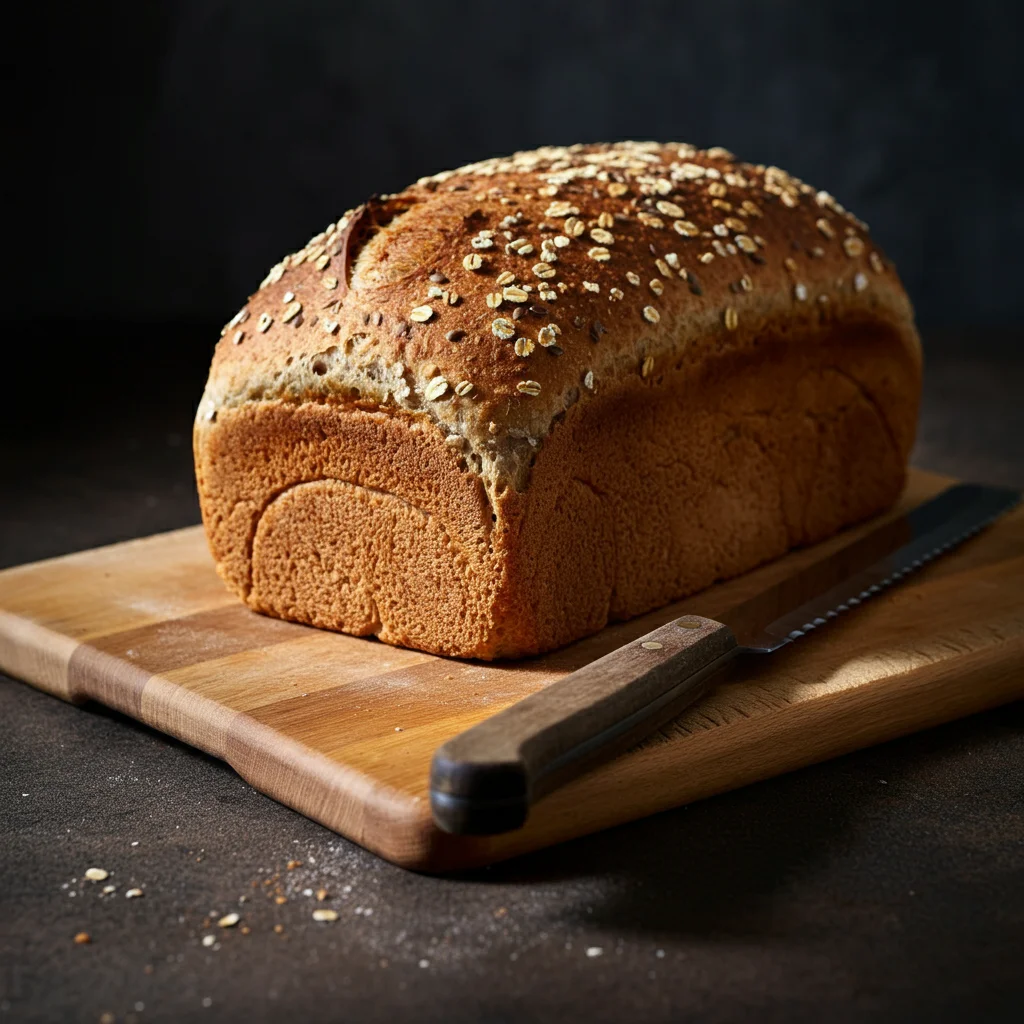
435	389
548	336
503	328
537	242
853	246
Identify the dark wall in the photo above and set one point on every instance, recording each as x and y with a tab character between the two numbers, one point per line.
177	150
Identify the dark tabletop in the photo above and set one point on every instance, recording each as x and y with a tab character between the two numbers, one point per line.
885	885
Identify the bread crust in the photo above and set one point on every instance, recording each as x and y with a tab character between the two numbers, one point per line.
343	486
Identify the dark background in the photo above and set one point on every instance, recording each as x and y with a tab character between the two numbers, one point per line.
179	149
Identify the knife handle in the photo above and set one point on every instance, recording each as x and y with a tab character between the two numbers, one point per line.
484	780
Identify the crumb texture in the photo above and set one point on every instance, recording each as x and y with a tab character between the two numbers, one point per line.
489	414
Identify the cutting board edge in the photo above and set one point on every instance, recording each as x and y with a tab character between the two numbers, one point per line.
994	680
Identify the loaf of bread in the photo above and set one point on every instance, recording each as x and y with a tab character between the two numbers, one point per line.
489	414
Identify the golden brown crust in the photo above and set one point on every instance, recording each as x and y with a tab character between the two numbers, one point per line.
652	422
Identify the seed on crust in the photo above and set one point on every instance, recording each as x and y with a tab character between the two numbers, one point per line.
647	368
523	346
543	270
472	261
651	315
616	189
561	209
547	336
421	314
853	246
633	278
264	322
528	387
860	281
463	388
876	263
293	310
656	286
669	208
686	228
505	277
503	328
730	318
574	227
800	292
602	236
513	294
588	380
825	227
746	243
435	389
599	253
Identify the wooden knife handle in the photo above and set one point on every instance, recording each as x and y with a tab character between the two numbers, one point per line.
484	780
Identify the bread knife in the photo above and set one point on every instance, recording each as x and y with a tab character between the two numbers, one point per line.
484	780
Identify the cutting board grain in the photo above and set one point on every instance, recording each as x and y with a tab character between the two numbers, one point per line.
343	728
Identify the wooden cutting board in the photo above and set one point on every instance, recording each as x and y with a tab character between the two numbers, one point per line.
343	728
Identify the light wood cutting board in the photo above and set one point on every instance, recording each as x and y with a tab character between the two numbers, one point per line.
343	728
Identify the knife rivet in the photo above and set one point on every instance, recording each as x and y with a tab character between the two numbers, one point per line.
652	645
689	623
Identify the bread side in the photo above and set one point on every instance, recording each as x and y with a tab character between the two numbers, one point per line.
706	363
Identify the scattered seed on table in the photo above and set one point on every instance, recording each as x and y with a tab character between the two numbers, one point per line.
96	874
229	920
324	914
83	938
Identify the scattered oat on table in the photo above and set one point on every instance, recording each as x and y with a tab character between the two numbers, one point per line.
229	920
96	874
324	914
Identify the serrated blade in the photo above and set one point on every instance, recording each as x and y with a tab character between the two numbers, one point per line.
842	580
